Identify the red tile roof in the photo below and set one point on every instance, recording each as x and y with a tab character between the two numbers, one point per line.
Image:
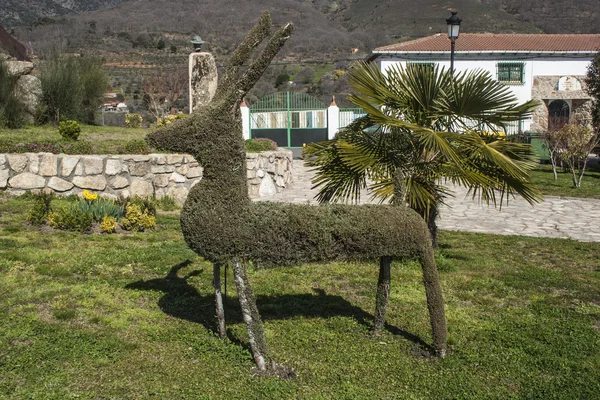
482	42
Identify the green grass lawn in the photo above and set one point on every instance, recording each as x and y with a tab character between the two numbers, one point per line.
104	139
131	317
563	186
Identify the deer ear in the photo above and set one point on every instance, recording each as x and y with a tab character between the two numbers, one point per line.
244	51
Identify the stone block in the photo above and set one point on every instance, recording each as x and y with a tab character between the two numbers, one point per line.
34	163
182	170
17	162
124	194
159	193
173	159
267	187
18	68
194	172
162	169
178	193
203	79
250	173
67	165
159	159
95	182
139	169
118	182
2	160
141	188
3	178
27	180
175	177
113	167
136	158
161	180
92	165
260	173
59	185
109	196
48	164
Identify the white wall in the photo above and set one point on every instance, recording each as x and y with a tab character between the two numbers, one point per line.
534	66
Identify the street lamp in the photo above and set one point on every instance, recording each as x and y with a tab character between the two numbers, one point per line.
453	28
197	42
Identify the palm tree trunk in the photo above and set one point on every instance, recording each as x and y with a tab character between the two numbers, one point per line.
219	309
254	325
435	301
383	293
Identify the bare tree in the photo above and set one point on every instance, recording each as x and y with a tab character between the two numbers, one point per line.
574	143
162	88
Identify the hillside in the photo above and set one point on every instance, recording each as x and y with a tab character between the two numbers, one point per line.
135	36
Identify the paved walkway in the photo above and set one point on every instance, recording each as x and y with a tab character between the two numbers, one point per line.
556	217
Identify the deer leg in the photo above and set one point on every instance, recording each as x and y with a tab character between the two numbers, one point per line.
220	310
254	326
435	300
383	293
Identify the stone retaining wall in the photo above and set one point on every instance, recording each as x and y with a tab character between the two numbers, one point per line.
120	176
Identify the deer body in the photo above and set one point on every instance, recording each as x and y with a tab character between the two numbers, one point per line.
221	224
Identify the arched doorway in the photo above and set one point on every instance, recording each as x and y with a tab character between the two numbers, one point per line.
559	113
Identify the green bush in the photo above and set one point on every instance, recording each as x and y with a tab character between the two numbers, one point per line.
38	215
133	120
100	208
72	87
71	218
137	220
135	147
69	129
260	144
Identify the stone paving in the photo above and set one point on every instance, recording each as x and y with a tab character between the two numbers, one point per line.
555	217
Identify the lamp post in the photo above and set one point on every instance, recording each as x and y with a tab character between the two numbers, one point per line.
197	42
453	28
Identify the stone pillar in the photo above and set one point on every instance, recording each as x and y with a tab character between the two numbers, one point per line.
202	79
333	119
245	112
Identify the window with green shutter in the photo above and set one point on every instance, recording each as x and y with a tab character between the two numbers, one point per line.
511	73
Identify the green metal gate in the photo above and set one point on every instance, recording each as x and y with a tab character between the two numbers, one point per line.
290	119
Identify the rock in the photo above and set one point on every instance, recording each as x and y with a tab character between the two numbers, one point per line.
124	194
113	167
250	173
67	164
59	185
161	180
136	158
182	170
92	165
29	91
34	162
139	169
174	159
96	182
178	193
17	162
203	79
175	177
162	169
2	160
267	187
195	182
18	68
194	172
260	173
3	178
118	182
141	188
27	180
48	164
159	159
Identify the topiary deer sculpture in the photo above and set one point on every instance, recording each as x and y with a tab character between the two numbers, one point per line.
222	224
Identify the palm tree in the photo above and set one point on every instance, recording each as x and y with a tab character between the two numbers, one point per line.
426	126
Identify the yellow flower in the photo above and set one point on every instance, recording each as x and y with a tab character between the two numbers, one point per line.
90	196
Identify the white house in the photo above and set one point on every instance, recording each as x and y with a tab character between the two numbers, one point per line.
548	68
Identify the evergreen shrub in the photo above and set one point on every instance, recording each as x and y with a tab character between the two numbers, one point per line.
69	129
260	144
38	215
71	218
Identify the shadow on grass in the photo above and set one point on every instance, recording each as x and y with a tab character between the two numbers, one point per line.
182	300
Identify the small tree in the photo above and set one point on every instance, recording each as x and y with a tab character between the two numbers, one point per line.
553	142
162	88
575	143
593	87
